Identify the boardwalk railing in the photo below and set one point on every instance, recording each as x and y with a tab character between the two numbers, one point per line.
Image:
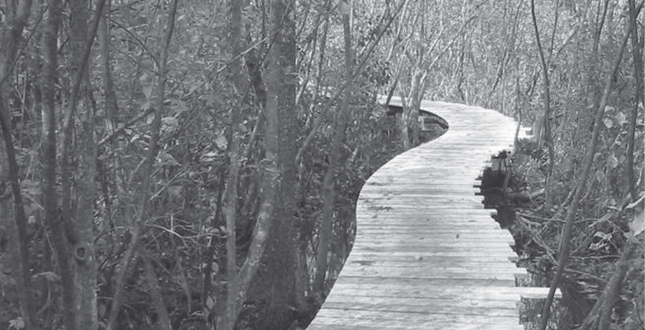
427	255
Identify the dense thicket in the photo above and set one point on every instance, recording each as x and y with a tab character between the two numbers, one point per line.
170	164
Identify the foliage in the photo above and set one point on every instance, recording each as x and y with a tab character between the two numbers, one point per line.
481	53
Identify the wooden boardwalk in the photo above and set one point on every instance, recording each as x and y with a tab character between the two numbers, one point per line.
427	254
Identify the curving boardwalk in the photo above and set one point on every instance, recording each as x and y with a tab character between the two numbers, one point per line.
427	254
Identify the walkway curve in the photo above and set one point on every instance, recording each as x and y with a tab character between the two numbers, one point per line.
427	254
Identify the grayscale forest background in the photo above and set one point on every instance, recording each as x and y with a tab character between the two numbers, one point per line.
195	164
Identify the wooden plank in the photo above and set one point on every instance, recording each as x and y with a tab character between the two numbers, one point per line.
444	306
411	232
436	261
439	249
499	275
439	244
444	289
432	238
441	229
422	219
474	254
421	288
441	232
424	306
458	257
451	326
330	318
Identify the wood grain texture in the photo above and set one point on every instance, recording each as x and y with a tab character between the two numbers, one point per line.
427	255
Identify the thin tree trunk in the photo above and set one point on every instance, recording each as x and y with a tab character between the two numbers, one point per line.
277	276
208	302
270	166
19	242
227	321
565	239
53	218
340	127
81	235
316	94
154	288
360	63
81	46
592	77
147	170
83	247
254	67
546	117
555	29
16	20
263	222
638	95
111	106
415	105
517	99
111	123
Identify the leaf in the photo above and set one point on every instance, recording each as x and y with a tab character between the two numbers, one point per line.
608	123
221	142
17	323
613	161
150	118
146	84
166	159
637	225
169	123
210	302
621	118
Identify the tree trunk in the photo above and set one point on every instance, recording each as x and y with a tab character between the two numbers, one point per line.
546	117
207	296
415	98
17	230
82	216
277	276
638	95
329	196
154	288
111	106
16	20
403	121
279	99
565	239
147	169
53	217
227	321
